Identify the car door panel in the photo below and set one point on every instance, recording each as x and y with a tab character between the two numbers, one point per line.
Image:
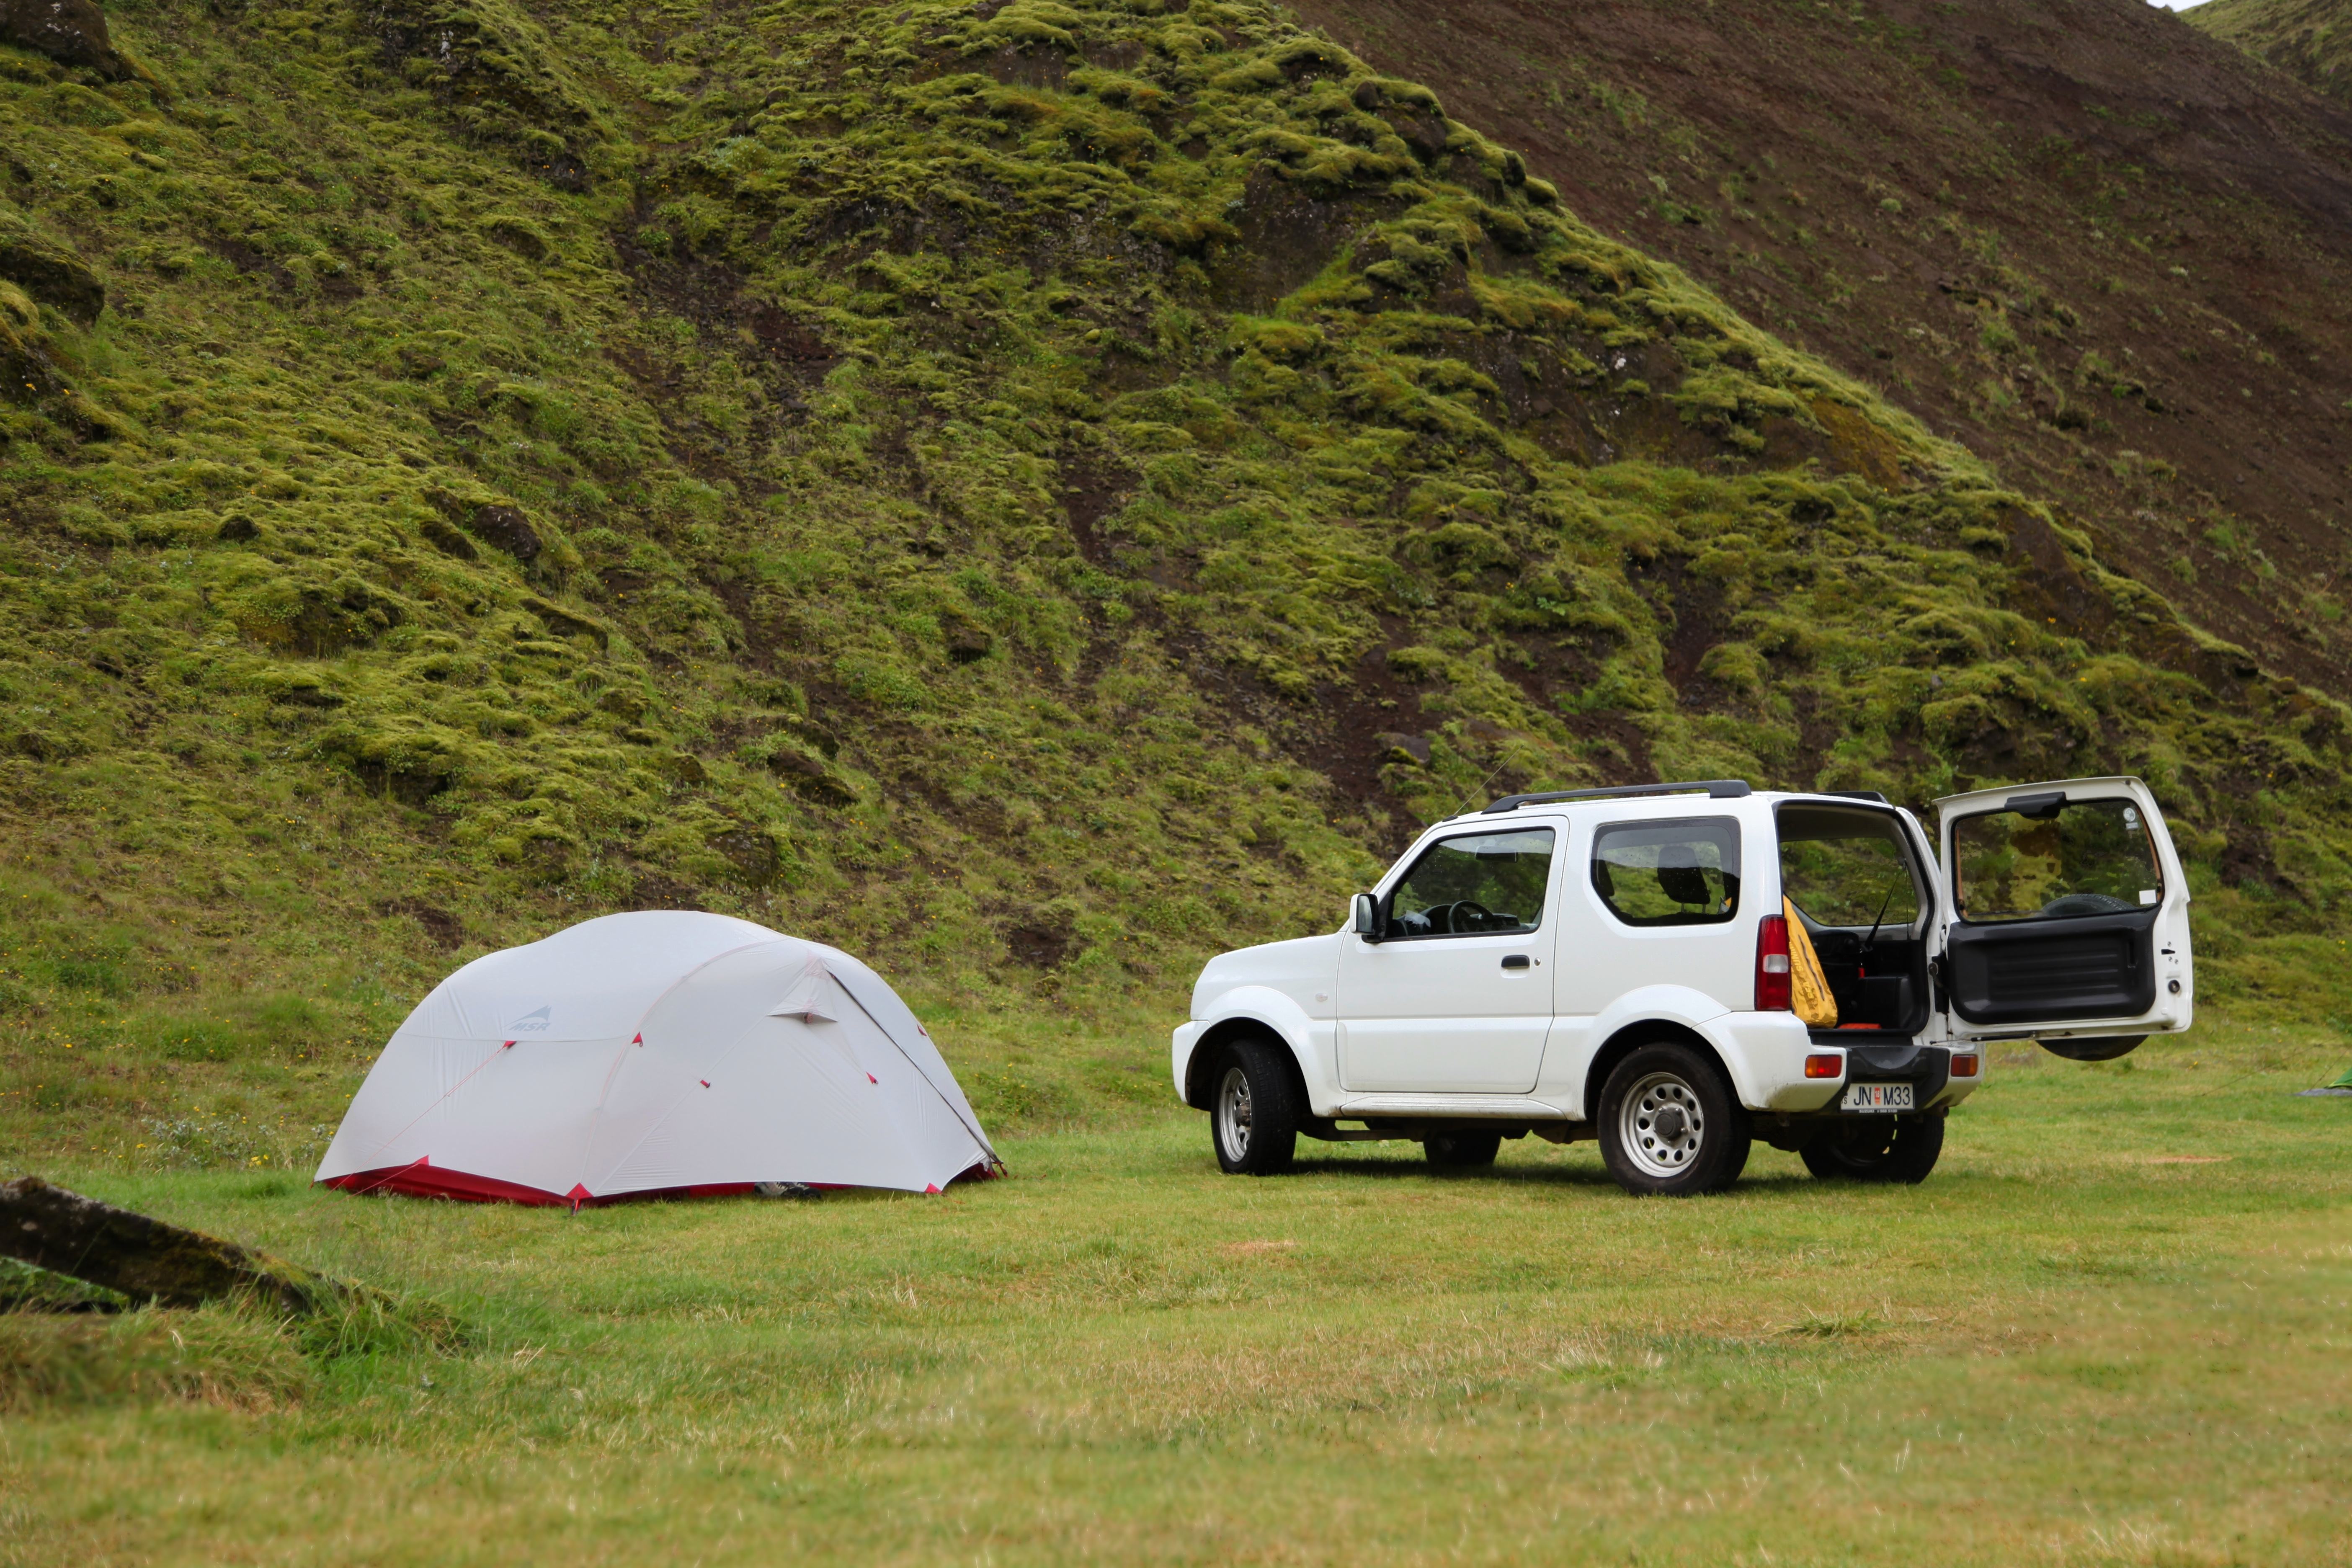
1462	1050
1457	1011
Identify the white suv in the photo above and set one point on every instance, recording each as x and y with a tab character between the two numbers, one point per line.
1622	965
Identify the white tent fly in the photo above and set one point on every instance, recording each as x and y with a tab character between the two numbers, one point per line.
667	1052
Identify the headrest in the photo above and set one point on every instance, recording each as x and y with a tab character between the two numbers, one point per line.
1680	876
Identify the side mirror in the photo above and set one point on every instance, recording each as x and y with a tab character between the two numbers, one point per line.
1364	917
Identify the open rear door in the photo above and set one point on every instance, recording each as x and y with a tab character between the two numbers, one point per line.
2069	917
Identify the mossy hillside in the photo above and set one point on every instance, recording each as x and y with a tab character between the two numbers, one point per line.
2308	38
1033	498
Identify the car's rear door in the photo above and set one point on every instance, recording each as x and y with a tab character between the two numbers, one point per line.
2068	913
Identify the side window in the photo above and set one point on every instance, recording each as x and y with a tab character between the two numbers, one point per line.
1669	873
2054	858
1847	868
1487	882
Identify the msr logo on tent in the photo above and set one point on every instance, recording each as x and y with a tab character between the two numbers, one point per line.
532	1023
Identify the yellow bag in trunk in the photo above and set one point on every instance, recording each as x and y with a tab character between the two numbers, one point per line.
1809	989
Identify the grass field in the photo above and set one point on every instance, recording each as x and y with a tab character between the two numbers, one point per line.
2111	1329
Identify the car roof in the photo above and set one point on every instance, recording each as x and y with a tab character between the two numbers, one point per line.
1690	800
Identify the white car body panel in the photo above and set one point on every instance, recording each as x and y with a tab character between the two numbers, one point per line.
1601	960
1285	986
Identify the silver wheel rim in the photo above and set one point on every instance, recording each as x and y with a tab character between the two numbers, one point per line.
1233	1115
1661	1125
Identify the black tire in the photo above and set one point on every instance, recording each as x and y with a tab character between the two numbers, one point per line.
1462	1150
1256	1104
1670	1124
1900	1149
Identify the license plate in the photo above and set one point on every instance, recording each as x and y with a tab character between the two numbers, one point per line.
1876	1097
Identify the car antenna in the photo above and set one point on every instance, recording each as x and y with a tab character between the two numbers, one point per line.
1480	787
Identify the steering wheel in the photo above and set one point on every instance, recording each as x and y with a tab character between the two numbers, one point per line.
1467	916
2086	904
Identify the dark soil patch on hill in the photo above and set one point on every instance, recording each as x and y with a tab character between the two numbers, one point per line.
2108	253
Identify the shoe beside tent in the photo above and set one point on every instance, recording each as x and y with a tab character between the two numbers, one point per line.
665	1052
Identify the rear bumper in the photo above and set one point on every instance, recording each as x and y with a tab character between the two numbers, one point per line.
1927	1068
1767	1052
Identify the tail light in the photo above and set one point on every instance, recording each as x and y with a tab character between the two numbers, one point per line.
1772	964
1964	1067
1828	1063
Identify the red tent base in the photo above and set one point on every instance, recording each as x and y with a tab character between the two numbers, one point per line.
425	1180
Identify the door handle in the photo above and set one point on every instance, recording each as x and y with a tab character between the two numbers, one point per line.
1517	961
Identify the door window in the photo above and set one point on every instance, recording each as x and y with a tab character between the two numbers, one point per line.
1669	873
2047	857
1847	868
1485	883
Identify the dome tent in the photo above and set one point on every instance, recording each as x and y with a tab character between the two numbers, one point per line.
667	1051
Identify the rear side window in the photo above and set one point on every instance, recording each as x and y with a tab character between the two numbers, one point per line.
2047	857
1681	873
1485	883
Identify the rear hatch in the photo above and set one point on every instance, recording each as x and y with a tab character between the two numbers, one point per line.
2070	916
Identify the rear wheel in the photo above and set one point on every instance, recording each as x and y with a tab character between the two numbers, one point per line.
1255	1109
1876	1149
1670	1125
1462	1149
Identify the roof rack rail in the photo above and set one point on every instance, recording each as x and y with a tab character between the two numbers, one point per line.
1857	794
1715	789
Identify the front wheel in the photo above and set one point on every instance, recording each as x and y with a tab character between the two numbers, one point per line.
1669	1124
1255	1109
1876	1149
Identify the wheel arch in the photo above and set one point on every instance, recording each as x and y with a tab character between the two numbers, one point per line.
1210	1048
1632	1038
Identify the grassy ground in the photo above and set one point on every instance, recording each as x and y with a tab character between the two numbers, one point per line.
2110	1329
